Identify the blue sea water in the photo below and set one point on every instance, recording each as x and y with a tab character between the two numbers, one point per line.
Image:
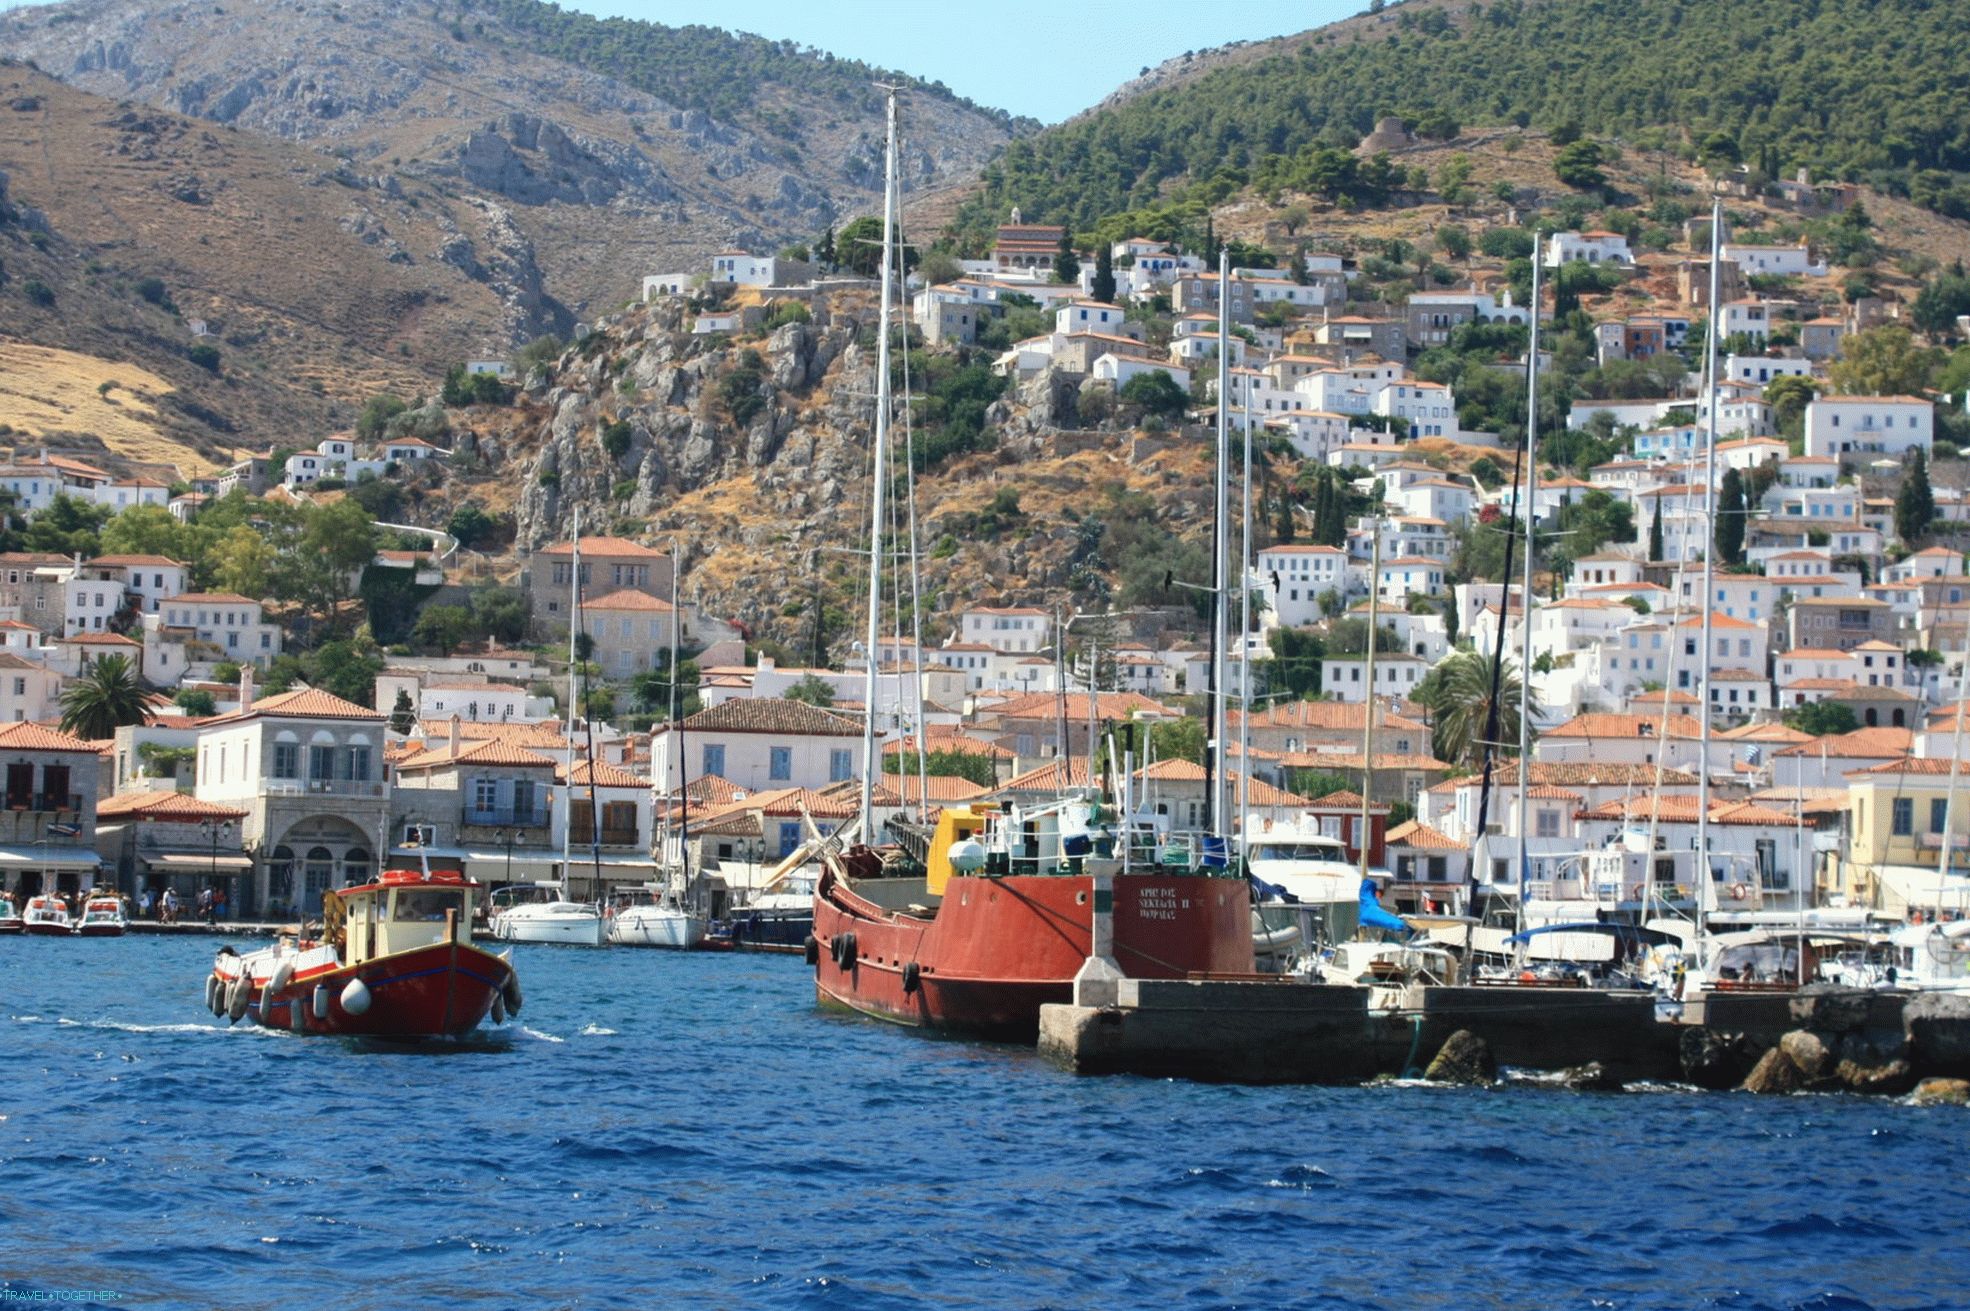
663	1130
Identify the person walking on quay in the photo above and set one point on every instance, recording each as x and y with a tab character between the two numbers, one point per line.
143	904
211	899
170	905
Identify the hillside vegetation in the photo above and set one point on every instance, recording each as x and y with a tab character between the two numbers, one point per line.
1860	90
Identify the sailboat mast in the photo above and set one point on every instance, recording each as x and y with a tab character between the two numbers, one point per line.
1955	764
879	472
1244	600
1703	884
1525	606
574	665
1216	817
1368	709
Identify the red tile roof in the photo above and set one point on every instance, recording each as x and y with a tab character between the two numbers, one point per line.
303	703
163	805
26	735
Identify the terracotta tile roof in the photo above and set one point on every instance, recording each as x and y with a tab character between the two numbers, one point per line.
1108	705
1352	760
1862	742
545	734
1600	724
1417	834
940	788
950	737
603	546
628	599
147	561
163	805
101	639
1050	777
1335	716
603	775
772	715
212	598
1347	801
1258	792
1684	810
304	703
482	751
26	735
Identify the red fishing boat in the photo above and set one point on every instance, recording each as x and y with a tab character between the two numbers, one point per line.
1005	918
394	960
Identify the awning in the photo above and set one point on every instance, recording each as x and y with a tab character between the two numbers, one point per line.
528	864
49	858
1924	886
173	861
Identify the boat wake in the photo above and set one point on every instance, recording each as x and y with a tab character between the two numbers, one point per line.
122	1026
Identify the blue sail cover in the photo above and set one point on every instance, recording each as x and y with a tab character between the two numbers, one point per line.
1263	891
1372	914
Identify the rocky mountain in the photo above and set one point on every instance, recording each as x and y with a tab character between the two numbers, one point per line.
601	151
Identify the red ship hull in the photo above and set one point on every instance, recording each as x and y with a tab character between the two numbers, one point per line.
99	931
999	948
442	990
44	930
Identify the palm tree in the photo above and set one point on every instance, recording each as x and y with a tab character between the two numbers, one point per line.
1458	694
104	699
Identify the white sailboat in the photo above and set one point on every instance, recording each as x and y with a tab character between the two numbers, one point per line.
549	914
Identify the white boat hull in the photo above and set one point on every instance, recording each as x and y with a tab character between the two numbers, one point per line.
528	924
656	926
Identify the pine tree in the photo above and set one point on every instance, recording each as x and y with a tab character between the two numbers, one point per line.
1655	532
403	715
1915	503
1211	247
1104	275
1729	533
824	249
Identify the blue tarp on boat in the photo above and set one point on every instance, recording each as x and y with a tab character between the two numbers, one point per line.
1372	914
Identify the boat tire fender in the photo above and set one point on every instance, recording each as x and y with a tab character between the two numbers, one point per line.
813	950
355	997
912	978
844	950
320	1001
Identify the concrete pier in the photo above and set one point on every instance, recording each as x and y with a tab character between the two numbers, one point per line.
1262	1031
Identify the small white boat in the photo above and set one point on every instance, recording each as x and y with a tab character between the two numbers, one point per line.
10	916
102	916
47	916
542	914
1390	971
653	919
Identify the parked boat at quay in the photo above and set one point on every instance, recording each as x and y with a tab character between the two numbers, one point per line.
47	916
10	916
395	960
102	916
542	913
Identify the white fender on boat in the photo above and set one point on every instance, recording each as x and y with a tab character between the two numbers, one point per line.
297	1015
355	997
283	972
511	990
239	996
212	1002
321	1001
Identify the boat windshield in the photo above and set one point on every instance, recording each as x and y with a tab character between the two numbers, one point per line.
426	904
1299	850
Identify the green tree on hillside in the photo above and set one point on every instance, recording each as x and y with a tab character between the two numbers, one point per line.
1066	264
1883	361
1103	288
1730	519
105	697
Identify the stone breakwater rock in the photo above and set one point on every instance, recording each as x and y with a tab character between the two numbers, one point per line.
1591	1077
1805	1061
1463	1058
1942	1092
1937	1026
1774	1075
1826	1008
1716	1061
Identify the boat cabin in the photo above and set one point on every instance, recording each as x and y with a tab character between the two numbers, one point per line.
400	911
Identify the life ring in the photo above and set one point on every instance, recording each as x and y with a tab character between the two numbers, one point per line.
912	978
1739	891
1635	892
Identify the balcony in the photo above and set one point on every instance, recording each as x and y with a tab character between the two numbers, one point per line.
334	787
621	837
504	817
49	802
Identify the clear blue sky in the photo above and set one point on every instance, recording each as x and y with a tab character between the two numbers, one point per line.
1062	61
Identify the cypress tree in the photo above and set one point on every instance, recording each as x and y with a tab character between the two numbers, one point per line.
1655	532
1729	533
1066	264
1915	503
1104	275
